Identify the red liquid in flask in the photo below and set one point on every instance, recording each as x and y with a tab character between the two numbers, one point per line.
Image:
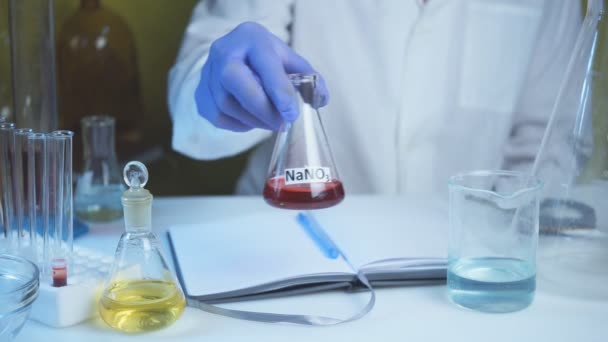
303	196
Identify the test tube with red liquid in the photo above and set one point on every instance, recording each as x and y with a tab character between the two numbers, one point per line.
58	212
59	268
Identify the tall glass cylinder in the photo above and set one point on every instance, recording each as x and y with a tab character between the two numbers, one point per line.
33	64
6	208
573	162
59	211
6	95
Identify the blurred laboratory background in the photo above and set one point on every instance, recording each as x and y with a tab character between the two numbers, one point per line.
130	45
138	41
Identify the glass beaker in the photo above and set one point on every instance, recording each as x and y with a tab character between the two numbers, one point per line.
141	294
99	186
492	240
302	173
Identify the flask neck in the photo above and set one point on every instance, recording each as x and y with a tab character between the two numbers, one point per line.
308	99
137	205
98	139
306	88
89	4
138	229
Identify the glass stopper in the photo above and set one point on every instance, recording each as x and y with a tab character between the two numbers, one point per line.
135	174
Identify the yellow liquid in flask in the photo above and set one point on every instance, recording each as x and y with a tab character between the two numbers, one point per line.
141	305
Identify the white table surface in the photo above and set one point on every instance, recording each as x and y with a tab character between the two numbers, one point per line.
400	314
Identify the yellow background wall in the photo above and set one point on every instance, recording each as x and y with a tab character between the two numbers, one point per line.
158	26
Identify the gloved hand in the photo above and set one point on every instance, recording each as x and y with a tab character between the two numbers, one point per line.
244	82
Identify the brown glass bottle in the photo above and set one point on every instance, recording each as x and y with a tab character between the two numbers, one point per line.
97	66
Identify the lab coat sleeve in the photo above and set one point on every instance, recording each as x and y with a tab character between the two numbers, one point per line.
554	47
193	135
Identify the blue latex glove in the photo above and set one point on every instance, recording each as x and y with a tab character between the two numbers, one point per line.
244	82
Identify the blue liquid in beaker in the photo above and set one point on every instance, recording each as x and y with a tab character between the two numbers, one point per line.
492	284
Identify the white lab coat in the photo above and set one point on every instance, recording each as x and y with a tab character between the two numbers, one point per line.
417	92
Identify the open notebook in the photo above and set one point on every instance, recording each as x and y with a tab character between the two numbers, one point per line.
269	254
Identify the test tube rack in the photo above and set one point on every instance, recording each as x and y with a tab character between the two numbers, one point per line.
77	302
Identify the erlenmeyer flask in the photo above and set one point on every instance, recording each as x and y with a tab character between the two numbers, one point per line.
302	173
142	293
99	187
573	162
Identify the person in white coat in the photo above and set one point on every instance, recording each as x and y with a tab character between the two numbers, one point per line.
419	90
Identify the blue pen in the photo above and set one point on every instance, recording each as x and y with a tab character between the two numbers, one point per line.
317	234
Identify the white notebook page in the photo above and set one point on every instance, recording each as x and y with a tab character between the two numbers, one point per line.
369	229
247	251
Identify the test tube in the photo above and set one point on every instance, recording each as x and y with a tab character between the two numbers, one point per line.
37	196
59	232
19	182
6	198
